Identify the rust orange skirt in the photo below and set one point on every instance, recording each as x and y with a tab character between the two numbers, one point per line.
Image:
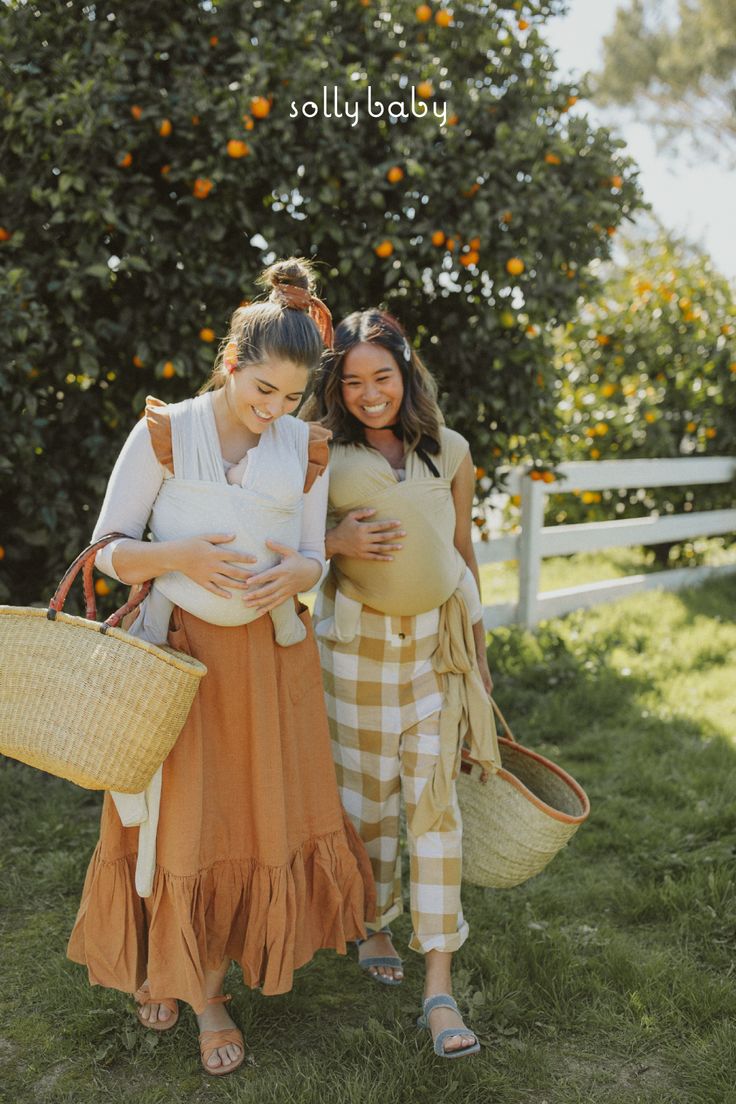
256	860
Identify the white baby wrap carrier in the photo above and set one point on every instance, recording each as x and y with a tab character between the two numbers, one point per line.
198	499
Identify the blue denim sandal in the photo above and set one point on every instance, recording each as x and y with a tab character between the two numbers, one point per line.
444	1000
393	962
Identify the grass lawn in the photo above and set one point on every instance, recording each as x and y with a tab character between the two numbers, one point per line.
609	978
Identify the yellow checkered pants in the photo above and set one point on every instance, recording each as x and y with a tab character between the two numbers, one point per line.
383	702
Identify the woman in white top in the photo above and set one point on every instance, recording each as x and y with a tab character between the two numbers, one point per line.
254	859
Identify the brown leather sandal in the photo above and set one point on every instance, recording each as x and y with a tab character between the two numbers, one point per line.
142	998
210	1041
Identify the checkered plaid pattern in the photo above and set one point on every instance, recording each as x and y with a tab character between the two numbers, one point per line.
383	701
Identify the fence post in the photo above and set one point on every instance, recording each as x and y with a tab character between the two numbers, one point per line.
530	549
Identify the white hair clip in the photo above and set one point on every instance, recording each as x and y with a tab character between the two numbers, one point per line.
407	352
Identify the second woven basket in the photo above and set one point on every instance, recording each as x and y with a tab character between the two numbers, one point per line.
516	821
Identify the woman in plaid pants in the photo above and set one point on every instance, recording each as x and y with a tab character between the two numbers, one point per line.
402	644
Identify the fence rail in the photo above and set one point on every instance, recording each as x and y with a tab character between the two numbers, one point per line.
535	541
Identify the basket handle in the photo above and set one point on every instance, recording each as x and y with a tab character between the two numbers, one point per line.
85	563
504	722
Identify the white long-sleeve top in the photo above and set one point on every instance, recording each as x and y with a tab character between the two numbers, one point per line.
136	480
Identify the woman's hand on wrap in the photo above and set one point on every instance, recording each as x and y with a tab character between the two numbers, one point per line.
208	562
361	539
295	573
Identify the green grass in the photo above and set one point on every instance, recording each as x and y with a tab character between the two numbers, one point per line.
609	979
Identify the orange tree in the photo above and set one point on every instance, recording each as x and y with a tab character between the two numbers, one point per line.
152	161
648	368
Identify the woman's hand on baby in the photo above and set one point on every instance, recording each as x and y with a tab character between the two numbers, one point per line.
207	561
361	539
293	574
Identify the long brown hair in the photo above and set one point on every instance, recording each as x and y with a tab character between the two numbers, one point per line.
419	416
268	328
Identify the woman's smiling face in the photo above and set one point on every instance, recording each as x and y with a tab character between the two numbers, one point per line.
372	385
260	393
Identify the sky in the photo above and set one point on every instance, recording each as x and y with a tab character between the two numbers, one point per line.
689	195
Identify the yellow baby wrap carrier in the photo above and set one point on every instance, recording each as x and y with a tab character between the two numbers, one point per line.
429	567
426	574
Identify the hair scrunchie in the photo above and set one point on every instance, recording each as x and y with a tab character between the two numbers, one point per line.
299	298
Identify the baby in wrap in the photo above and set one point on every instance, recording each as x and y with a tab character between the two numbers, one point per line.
175	589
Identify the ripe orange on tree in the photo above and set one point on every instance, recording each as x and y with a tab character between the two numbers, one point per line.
214	40
523	25
515	266
202	187
136	111
423	13
453	120
137	362
438	238
207	334
395	174
165	128
101	588
470	258
260	106
443	18
548	477
168	371
237	148
384	248
165	170
474	243
617	181
5	235
2	552
710	432
552	159
425	89
125	161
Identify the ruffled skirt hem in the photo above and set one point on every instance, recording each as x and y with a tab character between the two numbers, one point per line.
269	919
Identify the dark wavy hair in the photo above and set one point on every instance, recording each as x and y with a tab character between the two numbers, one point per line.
419	415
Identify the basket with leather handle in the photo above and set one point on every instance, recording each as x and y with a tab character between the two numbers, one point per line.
86	700
516	820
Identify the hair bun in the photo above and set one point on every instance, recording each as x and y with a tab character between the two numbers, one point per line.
296	271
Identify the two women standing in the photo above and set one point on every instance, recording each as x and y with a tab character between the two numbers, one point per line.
255	860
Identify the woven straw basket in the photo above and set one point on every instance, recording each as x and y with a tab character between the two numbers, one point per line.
516	821
88	701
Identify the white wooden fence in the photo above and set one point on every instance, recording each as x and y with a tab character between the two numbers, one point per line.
535	540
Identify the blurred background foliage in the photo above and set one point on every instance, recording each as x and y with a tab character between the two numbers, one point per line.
648	369
151	166
675	64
